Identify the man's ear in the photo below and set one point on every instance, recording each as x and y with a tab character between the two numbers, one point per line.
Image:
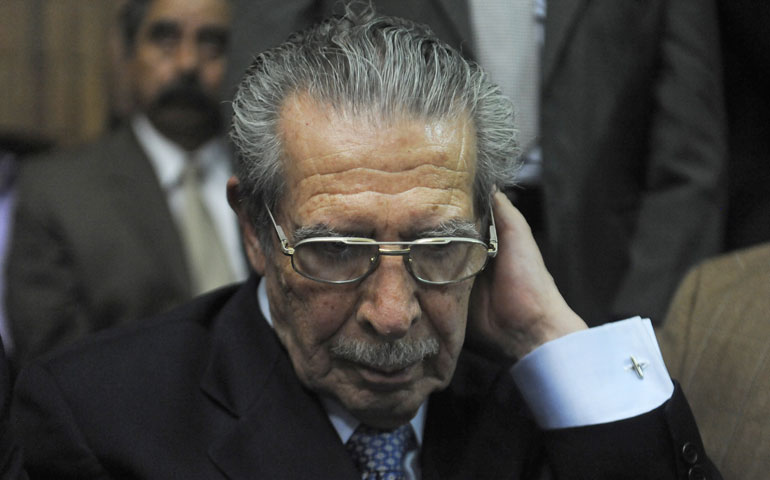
250	239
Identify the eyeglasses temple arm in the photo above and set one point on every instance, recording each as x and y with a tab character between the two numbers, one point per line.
281	236
492	251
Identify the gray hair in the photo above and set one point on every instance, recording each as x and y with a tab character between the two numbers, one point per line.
364	63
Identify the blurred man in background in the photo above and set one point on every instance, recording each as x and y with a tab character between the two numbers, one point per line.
137	222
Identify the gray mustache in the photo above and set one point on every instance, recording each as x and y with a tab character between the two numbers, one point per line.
384	356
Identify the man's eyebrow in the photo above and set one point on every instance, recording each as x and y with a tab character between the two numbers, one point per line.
317	230
452	228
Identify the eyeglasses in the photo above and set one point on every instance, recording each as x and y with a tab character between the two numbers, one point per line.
435	261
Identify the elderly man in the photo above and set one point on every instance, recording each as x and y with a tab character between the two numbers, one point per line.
369	153
122	229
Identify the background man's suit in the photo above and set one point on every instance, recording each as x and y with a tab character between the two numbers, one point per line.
94	245
716	340
207	391
745	43
11	462
632	135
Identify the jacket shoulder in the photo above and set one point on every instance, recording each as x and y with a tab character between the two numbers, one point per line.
70	165
731	271
745	261
174	337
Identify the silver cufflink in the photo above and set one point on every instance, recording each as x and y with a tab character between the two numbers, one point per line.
637	366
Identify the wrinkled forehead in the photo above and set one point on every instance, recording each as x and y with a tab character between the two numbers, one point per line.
341	163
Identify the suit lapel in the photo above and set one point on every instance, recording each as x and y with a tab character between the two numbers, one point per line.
560	22
278	429
135	193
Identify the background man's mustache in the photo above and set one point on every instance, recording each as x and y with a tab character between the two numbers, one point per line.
185	92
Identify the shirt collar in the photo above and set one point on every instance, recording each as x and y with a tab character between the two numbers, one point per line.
344	422
167	158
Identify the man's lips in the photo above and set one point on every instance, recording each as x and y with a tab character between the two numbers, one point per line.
386	379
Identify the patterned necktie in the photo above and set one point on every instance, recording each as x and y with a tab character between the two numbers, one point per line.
379	454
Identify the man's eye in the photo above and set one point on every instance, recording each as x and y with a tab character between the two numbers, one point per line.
433	252
165	35
213	43
335	250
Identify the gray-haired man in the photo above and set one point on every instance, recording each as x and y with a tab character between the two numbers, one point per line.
369	157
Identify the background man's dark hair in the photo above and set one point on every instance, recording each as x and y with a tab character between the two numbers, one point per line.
131	15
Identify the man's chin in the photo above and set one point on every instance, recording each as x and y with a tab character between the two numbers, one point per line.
388	411
386	400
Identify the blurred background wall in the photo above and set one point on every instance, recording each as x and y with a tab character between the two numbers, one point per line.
59	69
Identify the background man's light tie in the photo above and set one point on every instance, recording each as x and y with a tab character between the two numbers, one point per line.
206	254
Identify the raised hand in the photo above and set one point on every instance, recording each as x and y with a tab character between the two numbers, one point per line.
515	305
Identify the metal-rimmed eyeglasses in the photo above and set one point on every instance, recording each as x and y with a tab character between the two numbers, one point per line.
435	260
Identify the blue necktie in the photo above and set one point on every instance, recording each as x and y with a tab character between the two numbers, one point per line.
379	454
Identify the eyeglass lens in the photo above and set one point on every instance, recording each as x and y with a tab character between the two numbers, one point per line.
340	262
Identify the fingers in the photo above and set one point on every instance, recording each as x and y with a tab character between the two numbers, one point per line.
514	234
531	303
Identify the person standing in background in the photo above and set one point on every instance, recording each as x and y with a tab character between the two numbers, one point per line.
745	33
137	222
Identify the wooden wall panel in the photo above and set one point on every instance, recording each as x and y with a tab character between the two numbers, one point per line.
20	57
55	67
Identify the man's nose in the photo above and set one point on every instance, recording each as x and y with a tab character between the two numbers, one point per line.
389	303
187	56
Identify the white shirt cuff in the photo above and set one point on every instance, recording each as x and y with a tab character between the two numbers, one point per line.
587	377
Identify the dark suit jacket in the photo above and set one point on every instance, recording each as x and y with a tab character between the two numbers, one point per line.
94	245
716	339
634	150
10	454
259	25
745	43
208	392
633	142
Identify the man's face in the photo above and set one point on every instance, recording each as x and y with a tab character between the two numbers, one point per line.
393	182
178	64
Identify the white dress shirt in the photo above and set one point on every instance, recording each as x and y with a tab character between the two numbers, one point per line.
499	48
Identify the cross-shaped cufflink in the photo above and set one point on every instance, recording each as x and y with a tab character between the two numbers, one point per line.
637	366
